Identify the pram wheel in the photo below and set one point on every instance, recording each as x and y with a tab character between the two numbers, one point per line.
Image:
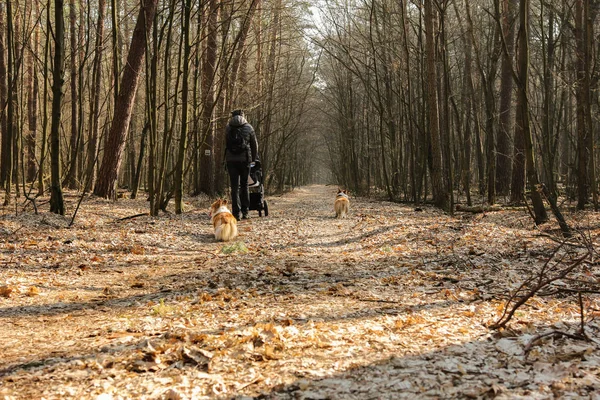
266	208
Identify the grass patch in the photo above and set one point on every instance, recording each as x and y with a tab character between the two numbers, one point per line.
237	247
162	309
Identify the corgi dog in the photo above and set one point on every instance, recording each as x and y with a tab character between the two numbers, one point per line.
223	221
341	204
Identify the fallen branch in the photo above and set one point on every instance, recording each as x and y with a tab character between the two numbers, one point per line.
543	280
564	227
536	339
477	209
133	216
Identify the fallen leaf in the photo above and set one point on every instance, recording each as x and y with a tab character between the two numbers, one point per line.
6	291
33	291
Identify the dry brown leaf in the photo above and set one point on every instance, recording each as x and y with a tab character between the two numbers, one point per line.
33	291
138	250
6	291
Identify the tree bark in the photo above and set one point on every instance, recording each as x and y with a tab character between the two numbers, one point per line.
523	113
5	151
116	61
8	140
589	19
183	139
56	195
32	103
92	145
70	179
207	157
582	151
109	169
44	144
504	139
440	195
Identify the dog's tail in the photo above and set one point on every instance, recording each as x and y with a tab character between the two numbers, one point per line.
226	232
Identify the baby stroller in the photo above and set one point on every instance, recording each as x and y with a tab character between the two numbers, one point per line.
257	190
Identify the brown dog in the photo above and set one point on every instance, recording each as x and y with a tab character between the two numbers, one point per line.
341	204
223	221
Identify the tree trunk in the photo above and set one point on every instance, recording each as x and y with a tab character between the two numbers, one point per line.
588	19
151	87
504	139
582	129
9	138
240	47
70	180
109	169
523	113
56	196
5	151
44	144
207	158
32	103
116	62
92	146
183	139
440	195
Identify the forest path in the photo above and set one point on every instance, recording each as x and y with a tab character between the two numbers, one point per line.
387	303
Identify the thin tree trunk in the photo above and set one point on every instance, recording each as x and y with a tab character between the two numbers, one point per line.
523	112
240	47
56	196
44	144
548	116
270	78
207	157
3	98
32	103
183	139
109	169
8	139
92	146
440	195
152	68
588	21
116	62
580	93
467	100
138	170
504	138
70	180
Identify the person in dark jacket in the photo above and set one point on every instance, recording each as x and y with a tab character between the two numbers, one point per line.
238	159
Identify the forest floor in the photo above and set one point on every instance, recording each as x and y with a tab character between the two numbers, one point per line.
392	302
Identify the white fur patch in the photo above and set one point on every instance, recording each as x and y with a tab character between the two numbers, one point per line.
220	210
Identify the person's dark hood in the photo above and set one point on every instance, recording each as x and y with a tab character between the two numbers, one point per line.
237	120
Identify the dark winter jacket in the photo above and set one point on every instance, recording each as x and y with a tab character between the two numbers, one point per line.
252	153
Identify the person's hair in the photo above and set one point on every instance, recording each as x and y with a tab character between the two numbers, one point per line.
237	112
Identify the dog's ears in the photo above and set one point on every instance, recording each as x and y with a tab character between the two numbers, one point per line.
224	201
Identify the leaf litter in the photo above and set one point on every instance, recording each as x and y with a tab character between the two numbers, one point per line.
388	303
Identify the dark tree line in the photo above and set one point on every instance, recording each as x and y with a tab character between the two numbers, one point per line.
436	98
131	95
424	100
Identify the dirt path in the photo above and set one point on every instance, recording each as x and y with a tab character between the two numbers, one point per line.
387	303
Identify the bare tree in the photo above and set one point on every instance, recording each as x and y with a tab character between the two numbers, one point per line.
5	18
8	153
183	139
92	144
523	113
109	169
440	193
56	195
